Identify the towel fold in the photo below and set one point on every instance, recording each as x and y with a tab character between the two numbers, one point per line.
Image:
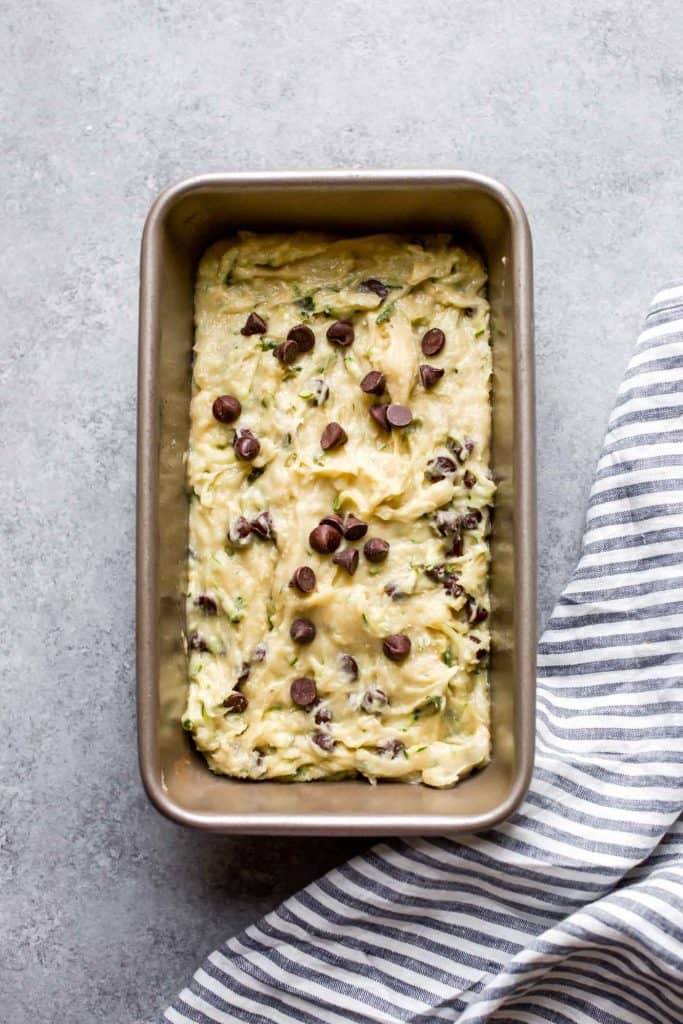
572	910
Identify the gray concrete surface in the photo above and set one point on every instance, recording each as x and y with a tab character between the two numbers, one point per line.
106	908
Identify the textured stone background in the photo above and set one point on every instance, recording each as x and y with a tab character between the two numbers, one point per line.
106	907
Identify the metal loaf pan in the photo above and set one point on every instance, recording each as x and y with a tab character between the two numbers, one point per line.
183	221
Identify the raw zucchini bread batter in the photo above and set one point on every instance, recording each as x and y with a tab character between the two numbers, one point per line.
340	496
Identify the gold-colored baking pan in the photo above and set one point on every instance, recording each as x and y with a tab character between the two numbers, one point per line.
183	221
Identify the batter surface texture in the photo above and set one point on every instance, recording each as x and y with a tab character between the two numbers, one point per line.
337	607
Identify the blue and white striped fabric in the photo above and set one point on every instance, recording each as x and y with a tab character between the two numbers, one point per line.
572	911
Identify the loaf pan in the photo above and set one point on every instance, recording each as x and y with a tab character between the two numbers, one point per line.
183	221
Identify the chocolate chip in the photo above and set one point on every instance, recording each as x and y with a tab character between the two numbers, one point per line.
446	521
353	527
461	451
320	391
430	375
207	604
254	325
196	643
246	445
399	415
235	703
349	665
442	574
260	652
255	473
263	527
476	613
471	519
391	748
240	531
373	285
333	520
286	352
347	559
433	341
373	383
376	549
243	673
340	333
303	579
302	631
394	590
303	336
456	448
227	408
452	587
396	647
323	716
303	691
469	479
456	547
439	468
469	311
333	436
373	700
324	539
323	740
379	415
436	573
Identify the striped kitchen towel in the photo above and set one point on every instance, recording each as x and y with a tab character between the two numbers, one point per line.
571	911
